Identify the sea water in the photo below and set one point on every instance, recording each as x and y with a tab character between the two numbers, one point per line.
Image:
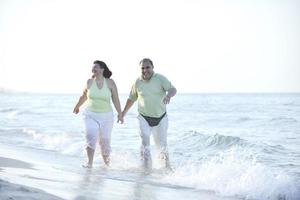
245	146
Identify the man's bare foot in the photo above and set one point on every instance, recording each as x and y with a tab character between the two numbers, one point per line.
87	165
106	160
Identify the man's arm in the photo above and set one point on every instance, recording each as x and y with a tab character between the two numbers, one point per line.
128	105
170	93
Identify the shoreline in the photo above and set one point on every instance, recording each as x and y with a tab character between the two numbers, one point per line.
10	191
29	180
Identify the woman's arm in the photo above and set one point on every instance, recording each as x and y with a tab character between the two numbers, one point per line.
81	100
116	100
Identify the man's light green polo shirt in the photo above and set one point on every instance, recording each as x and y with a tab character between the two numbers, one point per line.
150	95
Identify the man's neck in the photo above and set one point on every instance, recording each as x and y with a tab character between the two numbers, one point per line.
148	78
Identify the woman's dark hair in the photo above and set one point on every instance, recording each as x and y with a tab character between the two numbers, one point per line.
106	73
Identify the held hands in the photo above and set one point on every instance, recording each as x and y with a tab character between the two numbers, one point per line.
166	100
120	118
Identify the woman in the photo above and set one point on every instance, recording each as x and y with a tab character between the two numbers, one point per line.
98	115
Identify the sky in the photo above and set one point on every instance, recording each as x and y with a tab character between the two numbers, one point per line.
201	46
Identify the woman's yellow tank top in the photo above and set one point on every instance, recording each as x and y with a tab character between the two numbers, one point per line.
99	99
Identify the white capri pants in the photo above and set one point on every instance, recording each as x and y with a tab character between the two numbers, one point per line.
159	136
98	128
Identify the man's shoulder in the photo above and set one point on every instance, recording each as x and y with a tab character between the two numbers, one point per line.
160	77
137	81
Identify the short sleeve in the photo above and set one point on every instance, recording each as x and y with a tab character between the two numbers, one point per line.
133	93
166	84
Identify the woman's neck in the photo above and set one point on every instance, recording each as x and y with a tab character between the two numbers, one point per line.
99	77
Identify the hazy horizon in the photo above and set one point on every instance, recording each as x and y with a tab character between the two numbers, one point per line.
3	90
203	46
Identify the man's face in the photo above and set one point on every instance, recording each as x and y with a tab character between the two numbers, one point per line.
147	70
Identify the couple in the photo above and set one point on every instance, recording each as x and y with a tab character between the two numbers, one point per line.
153	91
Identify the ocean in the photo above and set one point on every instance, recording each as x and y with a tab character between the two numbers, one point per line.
222	146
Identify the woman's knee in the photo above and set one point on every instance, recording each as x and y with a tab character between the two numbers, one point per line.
91	139
105	146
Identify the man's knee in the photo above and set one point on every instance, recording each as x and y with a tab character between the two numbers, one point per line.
145	138
145	151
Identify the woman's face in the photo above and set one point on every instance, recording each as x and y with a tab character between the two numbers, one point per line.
97	70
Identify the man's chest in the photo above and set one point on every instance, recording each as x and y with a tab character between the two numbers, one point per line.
149	88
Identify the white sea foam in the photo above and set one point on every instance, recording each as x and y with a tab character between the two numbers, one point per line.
236	173
56	141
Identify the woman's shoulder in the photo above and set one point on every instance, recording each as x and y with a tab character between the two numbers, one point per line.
89	82
110	81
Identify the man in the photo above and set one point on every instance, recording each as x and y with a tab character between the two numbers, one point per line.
153	91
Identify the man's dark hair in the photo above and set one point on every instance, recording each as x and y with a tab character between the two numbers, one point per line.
146	60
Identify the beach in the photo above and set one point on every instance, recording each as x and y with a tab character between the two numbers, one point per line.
15	191
222	147
48	179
